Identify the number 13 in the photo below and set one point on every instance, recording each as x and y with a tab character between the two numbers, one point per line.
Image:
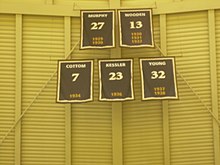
136	25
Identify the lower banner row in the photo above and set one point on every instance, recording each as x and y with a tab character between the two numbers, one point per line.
75	79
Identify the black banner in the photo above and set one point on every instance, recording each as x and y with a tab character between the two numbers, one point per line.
136	28
75	80
116	80
97	29
158	78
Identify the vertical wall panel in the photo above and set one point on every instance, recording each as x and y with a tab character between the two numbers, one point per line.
217	18
214	84
142	128
190	124
91	122
142	120
91	134
43	135
7	87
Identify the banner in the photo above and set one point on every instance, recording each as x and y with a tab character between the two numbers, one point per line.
158	78
136	28
75	80
116	80
97	29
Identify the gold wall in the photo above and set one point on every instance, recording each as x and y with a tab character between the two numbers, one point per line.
35	130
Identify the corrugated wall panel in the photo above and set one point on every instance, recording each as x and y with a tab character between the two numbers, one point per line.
43	130
91	122
217	17
190	124
144	52
91	134
7	86
142	133
142	120
142	128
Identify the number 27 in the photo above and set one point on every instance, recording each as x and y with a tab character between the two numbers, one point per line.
97	25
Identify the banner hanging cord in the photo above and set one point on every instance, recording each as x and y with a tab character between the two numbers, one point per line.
201	101
26	109
68	55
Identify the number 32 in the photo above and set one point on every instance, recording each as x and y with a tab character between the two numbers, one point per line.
158	75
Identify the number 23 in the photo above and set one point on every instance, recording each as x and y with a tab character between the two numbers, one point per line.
115	76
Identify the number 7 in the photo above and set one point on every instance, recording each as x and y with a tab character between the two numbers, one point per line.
75	76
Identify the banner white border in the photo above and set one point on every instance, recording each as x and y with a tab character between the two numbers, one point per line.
81	28
100	80
174	77
58	81
120	30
